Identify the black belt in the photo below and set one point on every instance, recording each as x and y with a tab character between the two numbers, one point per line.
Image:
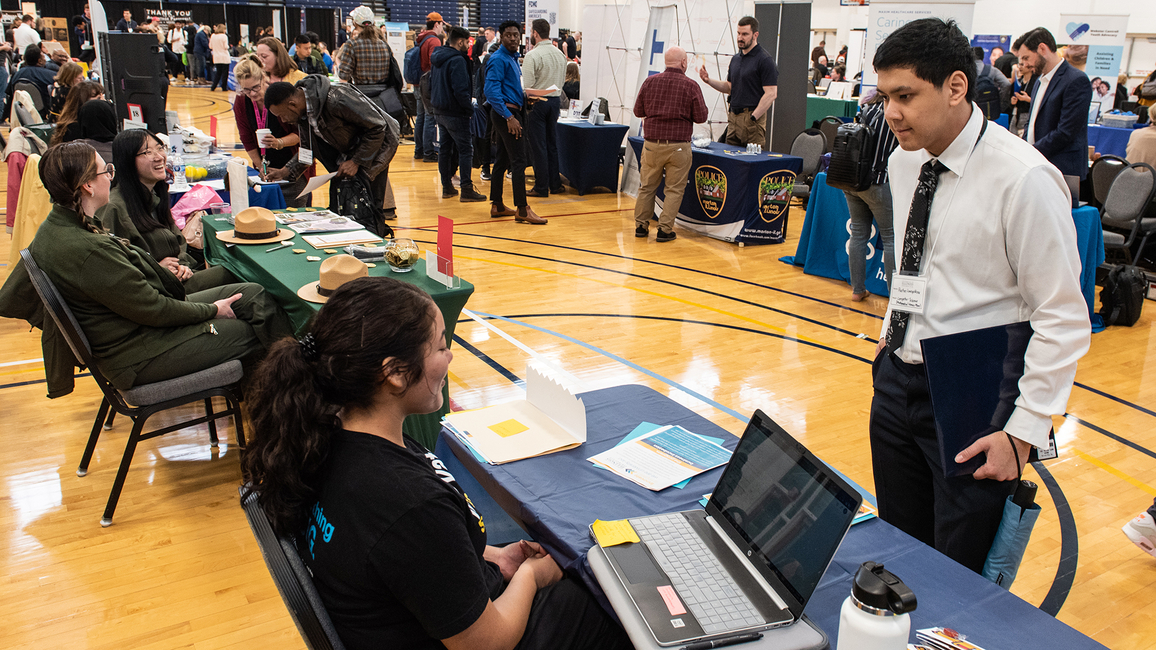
667	141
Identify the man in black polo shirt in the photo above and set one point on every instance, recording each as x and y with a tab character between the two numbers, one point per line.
752	83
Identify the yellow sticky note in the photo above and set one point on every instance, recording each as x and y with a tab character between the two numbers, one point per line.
508	428
613	533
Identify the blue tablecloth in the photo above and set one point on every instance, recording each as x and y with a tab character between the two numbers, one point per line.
588	154
1109	140
557	496
270	196
737	198
823	242
1090	241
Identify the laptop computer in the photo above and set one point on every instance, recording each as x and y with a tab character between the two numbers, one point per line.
752	559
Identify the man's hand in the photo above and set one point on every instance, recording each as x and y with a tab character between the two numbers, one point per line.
703	74
347	168
1001	460
509	558
880	346
514	126
545	570
278	174
225	306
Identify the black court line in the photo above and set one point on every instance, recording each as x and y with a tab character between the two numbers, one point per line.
1069	535
36	381
667	265
1116	399
1069	545
671	283
1120	439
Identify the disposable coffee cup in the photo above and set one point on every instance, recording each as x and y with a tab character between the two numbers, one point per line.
261	133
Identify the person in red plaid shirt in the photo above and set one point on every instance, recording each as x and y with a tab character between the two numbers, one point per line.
671	104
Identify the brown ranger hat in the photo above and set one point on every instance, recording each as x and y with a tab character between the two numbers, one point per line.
335	271
255	226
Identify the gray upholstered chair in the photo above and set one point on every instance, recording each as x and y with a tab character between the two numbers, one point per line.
1102	173
810	145
292	577
1123	212
830	127
138	403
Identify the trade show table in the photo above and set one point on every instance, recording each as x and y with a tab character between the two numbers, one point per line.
819	107
735	196
588	154
1109	140
556	497
282	272
823	241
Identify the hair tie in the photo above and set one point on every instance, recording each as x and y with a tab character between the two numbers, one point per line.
308	347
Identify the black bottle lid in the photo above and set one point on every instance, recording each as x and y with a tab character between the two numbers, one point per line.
880	589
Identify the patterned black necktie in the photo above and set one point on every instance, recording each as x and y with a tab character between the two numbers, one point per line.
913	240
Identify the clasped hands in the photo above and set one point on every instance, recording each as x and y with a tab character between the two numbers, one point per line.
526	554
174	265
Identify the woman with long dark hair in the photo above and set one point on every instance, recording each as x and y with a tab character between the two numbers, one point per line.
68	126
396	549
141	325
138	210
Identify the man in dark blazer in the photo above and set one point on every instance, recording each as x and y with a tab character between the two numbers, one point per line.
1058	126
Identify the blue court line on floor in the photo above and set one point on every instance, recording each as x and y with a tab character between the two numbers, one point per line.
1069	545
650	373
783	312
499	368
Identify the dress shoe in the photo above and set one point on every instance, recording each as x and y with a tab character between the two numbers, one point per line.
504	212
558	190
448	191
538	194
530	217
432	158
389	214
642	231
664	236
470	195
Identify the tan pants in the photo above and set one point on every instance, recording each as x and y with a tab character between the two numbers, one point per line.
743	130
673	158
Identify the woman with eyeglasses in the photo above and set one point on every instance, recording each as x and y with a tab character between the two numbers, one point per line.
141	324
251	114
138	210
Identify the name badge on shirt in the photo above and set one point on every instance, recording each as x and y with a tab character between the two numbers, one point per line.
304	156
908	293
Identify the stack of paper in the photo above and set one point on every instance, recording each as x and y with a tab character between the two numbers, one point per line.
290	218
337	240
335	224
550	419
942	638
663	457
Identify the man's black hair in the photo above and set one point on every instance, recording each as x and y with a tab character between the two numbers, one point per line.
278	93
932	48
313	37
302	39
978	52
749	20
541	27
32	54
456	34
508	24
429	24
1033	39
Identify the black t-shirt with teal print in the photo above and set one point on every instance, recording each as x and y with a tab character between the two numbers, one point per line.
396	547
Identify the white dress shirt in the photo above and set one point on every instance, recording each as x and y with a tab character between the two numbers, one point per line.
1041	91
1000	249
24	36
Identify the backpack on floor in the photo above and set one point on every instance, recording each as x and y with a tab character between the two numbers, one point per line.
355	200
1122	298
852	158
987	94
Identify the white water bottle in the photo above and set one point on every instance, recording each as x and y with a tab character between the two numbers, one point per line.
177	162
875	615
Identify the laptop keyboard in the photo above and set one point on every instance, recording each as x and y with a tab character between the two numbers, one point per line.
698	577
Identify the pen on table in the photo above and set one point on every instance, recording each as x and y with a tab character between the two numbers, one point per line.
723	642
279	246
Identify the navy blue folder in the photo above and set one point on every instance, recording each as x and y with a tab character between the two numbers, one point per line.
974	382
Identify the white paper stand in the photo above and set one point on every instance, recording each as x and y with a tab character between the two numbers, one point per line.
238	173
432	272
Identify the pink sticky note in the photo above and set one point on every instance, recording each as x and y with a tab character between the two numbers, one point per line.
445	245
670	597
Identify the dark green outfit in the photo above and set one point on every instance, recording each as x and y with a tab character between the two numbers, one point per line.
138	320
161	242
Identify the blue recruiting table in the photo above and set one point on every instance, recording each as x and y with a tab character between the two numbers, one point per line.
555	497
736	197
588	154
823	242
1109	140
270	196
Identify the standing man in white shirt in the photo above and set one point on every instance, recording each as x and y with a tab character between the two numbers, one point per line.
543	75
25	34
988	232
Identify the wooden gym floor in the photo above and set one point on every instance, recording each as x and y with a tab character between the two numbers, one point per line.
721	329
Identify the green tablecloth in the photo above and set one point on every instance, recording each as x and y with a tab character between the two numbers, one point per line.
820	107
282	272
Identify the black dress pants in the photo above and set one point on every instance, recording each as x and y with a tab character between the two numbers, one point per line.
512	156
957	516
564	616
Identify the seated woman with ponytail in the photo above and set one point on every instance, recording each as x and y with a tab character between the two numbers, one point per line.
142	326
138	210
396	549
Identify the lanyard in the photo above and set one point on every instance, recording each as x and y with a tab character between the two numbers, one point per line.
262	118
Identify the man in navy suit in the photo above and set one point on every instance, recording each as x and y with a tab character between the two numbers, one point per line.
1058	126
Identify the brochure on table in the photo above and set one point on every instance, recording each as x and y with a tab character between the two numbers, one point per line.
663	457
550	419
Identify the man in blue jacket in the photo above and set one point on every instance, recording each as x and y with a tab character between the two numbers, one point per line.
507	101
201	52
452	105
1058	125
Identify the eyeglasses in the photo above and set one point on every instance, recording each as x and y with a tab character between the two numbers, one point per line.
251	90
155	152
110	170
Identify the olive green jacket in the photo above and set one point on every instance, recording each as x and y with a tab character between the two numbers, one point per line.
130	308
162	242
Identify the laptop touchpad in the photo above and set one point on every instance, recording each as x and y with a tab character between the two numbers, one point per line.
637	566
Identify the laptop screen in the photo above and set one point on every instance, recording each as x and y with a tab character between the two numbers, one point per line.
790	508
